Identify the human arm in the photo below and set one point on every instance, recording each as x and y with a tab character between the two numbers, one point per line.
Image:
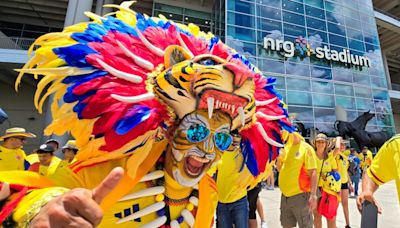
312	201
369	187
76	208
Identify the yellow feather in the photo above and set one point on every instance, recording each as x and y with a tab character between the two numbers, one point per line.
54	63
128	18
81	27
52	89
41	86
66	107
194	29
96	18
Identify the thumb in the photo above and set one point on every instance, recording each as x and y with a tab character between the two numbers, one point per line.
108	184
5	191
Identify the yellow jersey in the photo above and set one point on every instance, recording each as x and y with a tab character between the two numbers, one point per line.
342	166
386	164
231	182
328	165
12	159
298	160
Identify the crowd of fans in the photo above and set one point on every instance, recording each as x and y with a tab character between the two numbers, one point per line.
313	177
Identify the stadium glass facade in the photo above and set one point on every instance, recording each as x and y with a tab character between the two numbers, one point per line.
325	56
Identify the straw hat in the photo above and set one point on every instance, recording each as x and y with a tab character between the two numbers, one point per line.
322	137
71	144
17	131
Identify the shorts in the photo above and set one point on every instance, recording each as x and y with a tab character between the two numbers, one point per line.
294	210
252	197
344	186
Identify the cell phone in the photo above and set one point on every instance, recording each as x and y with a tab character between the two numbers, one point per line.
369	215
338	142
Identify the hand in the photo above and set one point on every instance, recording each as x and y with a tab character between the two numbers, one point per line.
4	191
78	207
370	197
351	188
312	202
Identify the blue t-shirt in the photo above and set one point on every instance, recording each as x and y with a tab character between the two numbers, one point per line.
354	167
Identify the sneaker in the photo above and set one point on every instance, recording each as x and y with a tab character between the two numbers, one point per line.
271	187
264	225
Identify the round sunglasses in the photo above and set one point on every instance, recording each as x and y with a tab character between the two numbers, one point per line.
197	133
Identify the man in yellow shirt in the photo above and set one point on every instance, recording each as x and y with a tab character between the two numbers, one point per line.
384	168
366	158
298	183
48	163
12	157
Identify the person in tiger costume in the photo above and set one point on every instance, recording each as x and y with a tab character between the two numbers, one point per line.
152	105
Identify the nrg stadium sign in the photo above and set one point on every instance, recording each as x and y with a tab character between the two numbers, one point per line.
304	49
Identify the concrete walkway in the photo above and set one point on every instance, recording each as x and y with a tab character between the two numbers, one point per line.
386	195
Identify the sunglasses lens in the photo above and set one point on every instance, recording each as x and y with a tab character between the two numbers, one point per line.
222	140
197	133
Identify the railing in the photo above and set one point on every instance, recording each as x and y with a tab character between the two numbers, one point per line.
16	43
386	13
395	86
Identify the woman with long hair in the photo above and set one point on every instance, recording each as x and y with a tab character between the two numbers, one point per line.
326	163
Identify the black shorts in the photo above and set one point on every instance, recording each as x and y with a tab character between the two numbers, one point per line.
252	197
344	186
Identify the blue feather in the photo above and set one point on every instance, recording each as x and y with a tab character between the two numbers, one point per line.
250	160
75	55
137	114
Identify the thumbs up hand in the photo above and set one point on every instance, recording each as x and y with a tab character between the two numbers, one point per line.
79	207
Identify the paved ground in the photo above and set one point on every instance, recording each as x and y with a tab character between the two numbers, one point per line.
386	195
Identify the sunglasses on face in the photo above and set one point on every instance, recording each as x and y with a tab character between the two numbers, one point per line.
197	133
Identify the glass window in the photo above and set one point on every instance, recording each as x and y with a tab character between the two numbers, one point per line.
241	33
351	13
352	23
362	92
378	82
316	3
168	8
298	98
373	39
332	7
297	69
327	128
342	74
369	19
320	62
170	16
241	6
316	24
335	18
274	3
322	100
268	12
357	45
242	47
380	94
293	18
292	6
365	104
241	19
314	12
269	54
318	35
355	34
298	84
322	87
324	115
337	40
345	102
271	66
294	30
336	29
322	73
342	89
382	106
370	47
301	113
361	79
280	82
269	25
385	120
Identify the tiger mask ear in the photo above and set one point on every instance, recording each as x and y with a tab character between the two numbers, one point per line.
175	54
